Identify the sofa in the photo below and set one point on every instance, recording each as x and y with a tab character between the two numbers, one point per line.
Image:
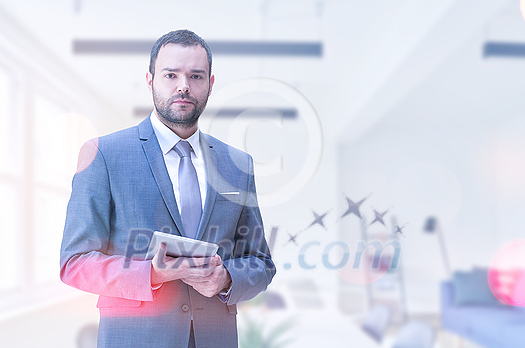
470	310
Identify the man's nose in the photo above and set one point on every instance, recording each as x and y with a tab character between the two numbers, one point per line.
183	86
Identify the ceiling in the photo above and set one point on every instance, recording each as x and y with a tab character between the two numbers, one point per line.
365	43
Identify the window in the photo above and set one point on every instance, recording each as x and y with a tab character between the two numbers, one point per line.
41	132
39	144
9	168
57	138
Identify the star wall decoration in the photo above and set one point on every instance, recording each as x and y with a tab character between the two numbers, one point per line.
379	217
399	230
318	219
292	238
353	207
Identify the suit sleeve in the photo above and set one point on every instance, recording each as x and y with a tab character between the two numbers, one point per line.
251	267
84	262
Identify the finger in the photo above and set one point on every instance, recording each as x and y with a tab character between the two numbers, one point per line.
160	257
199	286
214	261
162	251
218	259
200	273
205	289
193	282
199	261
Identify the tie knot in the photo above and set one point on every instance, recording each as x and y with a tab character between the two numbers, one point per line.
182	148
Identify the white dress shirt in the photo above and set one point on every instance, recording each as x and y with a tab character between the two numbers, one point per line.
167	140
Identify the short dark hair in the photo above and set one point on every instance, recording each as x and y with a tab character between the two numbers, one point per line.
181	37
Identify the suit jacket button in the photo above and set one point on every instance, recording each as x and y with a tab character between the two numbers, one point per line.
185	308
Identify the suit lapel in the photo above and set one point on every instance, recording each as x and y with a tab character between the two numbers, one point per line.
156	162
210	161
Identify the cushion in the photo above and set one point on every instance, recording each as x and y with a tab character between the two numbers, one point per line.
472	288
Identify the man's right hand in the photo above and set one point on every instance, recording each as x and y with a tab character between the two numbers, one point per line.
166	268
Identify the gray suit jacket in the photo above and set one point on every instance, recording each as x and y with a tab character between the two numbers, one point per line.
121	194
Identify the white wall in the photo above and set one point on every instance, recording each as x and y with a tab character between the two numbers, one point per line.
453	149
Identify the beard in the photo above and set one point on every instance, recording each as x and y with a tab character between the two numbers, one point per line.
183	118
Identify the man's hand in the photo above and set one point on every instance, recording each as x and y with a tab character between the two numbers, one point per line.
166	268
213	283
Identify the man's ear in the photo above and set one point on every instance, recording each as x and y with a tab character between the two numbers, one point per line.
212	80
149	81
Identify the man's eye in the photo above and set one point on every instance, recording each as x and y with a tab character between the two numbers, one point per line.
196	77
170	75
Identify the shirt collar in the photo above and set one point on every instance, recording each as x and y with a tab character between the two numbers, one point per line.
168	139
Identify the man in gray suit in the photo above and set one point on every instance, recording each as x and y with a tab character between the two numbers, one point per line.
164	174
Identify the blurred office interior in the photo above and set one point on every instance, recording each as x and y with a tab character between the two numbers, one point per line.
414	107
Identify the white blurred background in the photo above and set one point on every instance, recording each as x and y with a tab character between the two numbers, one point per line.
404	102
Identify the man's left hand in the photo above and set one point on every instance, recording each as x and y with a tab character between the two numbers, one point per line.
212	284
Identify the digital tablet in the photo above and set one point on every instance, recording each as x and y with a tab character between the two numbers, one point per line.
180	246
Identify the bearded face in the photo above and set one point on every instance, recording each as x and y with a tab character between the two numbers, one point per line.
180	109
181	85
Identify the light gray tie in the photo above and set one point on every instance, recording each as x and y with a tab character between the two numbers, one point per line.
190	195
